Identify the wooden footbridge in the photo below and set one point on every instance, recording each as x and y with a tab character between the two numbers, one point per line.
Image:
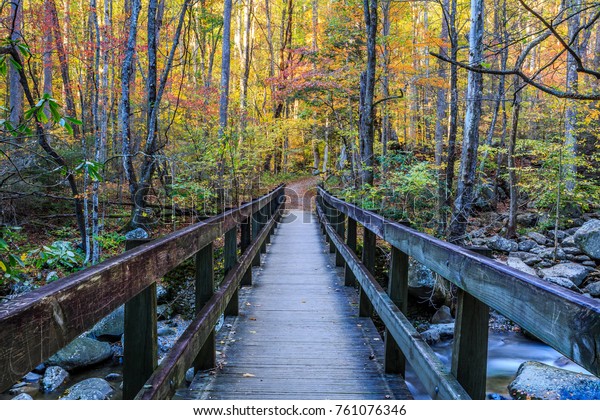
297	330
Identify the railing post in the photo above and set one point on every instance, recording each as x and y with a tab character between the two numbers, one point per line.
263	222
469	355
331	218
140	341
340	228
245	240
255	231
365	308
230	259
205	288
349	278
395	361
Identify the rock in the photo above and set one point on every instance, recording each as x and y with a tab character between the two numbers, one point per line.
593	289
568	242
558	234
437	332
572	210
591	264
442	316
571	271
549	253
494	396
573	250
164	311
81	352
89	389
23	396
41	368
581	258
502	244
527	219
587	238
110	328
518	264
420	276
527	245
32	377
113	377
538	238
165	331
54	377
564	282
527	257
538	381
189	375
138	233
161	294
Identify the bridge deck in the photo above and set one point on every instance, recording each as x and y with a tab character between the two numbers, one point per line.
298	335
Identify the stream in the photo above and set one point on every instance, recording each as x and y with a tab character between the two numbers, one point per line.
506	352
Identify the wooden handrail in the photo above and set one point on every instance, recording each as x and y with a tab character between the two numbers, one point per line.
566	321
36	325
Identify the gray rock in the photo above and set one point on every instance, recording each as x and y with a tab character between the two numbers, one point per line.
437	332
572	271
591	264
544	264
527	245
527	219
571	231
538	238
189	375
89	389
564	282
518	264
81	352
23	396
54	377
110	328
581	258
593	289
587	238
527	257
442	316
161	294
138	233
32	377
164	311
569	241
41	368
572	250
166	331
537	381
559	234
420	276
550	253
113	377
499	243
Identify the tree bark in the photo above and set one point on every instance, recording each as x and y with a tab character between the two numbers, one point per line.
453	114
468	165
14	85
574	22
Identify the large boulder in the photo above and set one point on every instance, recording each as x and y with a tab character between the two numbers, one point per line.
53	378
23	396
528	258
538	237
110	328
518	264
587	238
89	389
138	233
537	381
81	352
437	332
499	243
442	316
571	271
593	289
420	276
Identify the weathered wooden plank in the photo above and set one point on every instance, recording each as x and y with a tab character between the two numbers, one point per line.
36	325
440	384
349	279
368	259
140	351
171	372
230	258
567	321
395	361
245	240
205	289
340	228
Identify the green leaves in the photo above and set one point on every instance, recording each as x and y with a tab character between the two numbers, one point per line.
48	105
92	168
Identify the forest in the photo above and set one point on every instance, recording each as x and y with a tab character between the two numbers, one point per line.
476	122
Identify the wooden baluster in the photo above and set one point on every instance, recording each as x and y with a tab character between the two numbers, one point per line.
340	228
141	346
262	217
365	308
349	278
395	361
255	232
230	259
332	217
246	240
205	288
469	355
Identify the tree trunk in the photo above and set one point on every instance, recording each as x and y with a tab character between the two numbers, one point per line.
14	85
386	125
47	57
453	115
570	170
246	59
367	87
468	164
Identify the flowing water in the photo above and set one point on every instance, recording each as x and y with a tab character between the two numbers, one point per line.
506	352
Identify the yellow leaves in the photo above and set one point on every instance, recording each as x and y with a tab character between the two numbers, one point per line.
248	375
2	266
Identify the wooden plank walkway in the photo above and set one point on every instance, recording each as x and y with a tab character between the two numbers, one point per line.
298	335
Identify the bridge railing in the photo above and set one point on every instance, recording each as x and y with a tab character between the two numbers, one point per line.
568	322
36	325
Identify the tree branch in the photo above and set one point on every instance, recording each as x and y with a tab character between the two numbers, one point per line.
389	98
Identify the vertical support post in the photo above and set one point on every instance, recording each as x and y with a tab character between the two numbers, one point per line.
395	361
365	308
230	259
469	355
141	346
205	288
255	231
340	228
263	221
245	240
349	278
332	218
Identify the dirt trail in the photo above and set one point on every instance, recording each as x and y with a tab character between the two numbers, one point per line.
300	194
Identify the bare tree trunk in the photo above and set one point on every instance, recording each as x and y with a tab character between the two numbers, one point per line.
47	57
574	22
246	59
14	84
386	125
468	164
367	88
453	115
315	47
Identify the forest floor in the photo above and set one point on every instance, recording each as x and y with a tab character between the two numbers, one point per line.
300	193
